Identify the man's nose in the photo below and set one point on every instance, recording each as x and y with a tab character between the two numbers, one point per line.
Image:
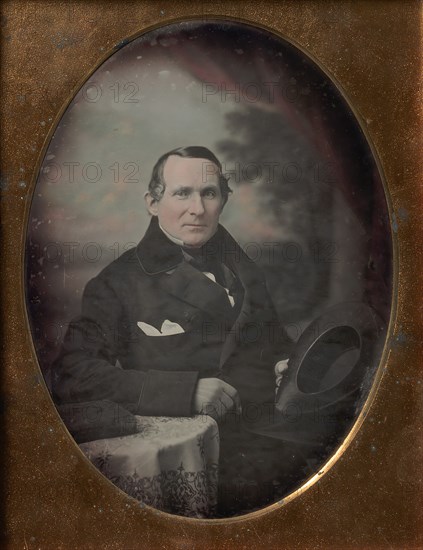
196	206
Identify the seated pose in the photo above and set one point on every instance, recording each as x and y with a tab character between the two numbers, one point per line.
183	324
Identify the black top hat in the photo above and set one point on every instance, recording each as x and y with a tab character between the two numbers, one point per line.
329	375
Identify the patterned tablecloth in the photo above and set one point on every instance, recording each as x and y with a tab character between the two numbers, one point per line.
170	463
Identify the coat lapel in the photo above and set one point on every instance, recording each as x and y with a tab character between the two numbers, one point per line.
193	287
254	293
234	335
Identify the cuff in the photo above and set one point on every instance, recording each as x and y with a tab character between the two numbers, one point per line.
167	393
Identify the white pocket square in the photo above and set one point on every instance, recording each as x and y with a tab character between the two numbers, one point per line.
168	328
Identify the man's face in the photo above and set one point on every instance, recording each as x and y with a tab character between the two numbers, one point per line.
192	201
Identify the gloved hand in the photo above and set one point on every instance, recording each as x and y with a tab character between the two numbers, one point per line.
280	368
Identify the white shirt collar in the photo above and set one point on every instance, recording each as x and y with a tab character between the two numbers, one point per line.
170	237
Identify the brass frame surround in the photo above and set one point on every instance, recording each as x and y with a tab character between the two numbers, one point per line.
369	494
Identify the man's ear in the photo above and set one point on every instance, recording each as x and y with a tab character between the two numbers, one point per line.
151	203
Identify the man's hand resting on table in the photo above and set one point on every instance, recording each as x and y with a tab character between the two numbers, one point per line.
215	398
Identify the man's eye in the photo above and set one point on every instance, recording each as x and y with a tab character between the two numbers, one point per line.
182	193
210	194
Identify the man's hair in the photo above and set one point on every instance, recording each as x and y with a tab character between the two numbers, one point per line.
157	183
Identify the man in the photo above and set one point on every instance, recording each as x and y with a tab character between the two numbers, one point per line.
183	324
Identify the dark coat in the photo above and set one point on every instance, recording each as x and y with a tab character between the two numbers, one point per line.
106	356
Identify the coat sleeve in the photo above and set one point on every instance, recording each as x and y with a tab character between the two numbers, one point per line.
86	368
251	369
282	344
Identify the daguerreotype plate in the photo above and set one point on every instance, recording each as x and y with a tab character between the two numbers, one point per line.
307	210
211	337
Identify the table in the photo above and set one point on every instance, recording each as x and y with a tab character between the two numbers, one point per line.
170	464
